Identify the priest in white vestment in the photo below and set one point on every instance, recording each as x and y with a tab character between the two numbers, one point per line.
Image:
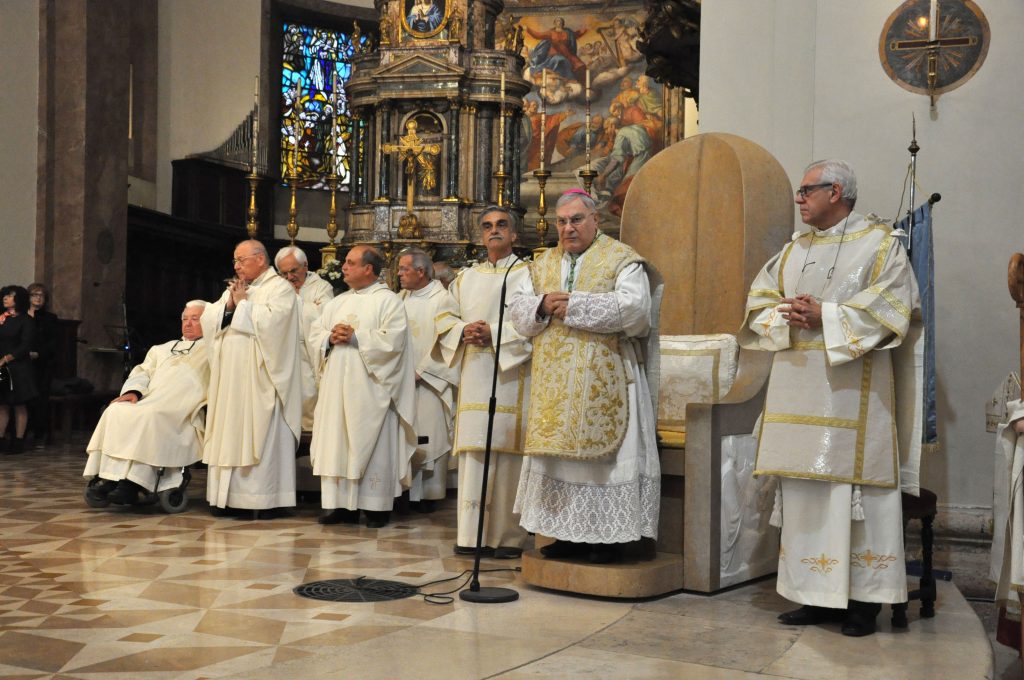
425	300
591	478
467	341
291	263
834	305
363	437
156	422
1007	567
254	413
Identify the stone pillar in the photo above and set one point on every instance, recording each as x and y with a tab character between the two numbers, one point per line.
81	239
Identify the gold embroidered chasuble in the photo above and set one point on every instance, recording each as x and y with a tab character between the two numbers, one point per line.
831	409
578	402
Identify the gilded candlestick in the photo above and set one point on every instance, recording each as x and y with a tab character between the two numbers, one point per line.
542	208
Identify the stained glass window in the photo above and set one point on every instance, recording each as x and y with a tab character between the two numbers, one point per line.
315	123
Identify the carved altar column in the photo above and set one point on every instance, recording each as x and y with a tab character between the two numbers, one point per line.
385	162
356	162
453	150
484	165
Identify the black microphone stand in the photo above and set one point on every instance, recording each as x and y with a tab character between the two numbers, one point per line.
490	595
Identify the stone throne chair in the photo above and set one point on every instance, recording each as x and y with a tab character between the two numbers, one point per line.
707	212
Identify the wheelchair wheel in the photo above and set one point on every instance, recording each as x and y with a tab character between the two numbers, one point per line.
173	501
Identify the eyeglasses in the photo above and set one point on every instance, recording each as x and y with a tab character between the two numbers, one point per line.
184	350
240	260
575	220
37	293
810	188
290	272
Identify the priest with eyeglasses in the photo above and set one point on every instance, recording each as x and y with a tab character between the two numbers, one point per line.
838	307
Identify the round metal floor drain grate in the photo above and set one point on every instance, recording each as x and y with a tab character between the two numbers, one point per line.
356	590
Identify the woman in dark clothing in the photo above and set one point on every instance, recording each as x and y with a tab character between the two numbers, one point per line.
43	349
17	384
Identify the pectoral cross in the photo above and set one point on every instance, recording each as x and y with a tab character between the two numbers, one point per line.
413	150
921	49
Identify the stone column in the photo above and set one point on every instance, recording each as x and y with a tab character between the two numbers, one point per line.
81	236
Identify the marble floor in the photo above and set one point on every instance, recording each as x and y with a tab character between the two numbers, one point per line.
136	593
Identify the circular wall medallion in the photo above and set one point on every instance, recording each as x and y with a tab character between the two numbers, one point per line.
959	44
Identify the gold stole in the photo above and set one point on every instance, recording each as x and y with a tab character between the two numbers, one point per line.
578	401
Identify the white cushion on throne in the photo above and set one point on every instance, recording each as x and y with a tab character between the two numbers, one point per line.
695	369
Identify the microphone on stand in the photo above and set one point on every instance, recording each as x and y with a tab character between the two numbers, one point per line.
490	595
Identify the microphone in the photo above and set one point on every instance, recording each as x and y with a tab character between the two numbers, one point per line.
934	198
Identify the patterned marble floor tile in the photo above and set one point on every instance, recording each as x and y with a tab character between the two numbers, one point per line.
135	594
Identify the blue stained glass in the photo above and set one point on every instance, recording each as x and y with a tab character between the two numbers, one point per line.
311	58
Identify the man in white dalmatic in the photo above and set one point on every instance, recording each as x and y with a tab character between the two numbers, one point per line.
363	436
468	342
425	300
254	416
156	422
591	478
833	306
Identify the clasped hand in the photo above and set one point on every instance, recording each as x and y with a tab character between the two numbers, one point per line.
477	333
238	290
555	304
341	334
803	311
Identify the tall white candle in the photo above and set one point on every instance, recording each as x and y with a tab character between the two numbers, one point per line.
933	17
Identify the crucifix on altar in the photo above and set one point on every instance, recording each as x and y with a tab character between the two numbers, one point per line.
414	151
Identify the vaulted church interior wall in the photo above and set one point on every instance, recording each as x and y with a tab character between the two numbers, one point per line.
803	79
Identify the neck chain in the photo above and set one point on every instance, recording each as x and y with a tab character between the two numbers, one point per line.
832	269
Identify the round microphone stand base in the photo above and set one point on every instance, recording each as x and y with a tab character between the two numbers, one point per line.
490	595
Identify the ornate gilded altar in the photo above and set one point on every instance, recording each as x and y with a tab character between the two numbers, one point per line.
427	134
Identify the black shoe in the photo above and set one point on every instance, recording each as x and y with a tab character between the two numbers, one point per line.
501	553
17	446
860	618
271	513
426	506
340	516
100	490
562	549
810	615
218	511
377	519
604	553
126	493
467	550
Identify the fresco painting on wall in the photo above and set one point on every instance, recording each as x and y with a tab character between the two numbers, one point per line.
627	108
